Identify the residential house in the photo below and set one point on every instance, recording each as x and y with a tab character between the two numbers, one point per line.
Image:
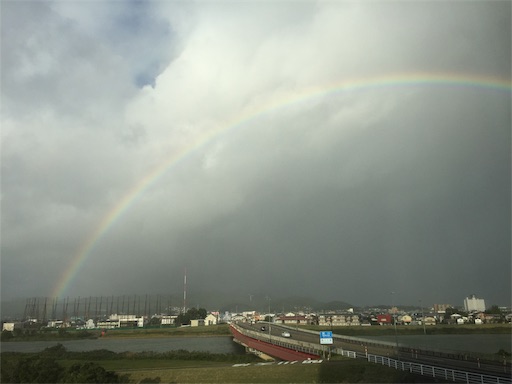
211	319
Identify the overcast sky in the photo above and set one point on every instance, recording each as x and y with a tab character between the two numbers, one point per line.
280	184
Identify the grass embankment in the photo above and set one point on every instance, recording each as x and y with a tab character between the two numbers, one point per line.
213	330
345	371
194	367
73	334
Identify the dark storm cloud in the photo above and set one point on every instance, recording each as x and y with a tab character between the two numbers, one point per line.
347	195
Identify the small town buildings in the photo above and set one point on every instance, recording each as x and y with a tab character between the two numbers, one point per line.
291	319
430	320
121	321
109	324
238	317
441	308
336	320
384	319
168	319
55	323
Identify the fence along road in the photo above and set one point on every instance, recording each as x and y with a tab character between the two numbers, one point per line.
423	362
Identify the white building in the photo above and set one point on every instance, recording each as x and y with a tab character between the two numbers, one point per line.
11	326
211	319
168	319
197	323
473	303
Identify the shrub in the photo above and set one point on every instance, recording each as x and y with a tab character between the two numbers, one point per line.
6	336
89	373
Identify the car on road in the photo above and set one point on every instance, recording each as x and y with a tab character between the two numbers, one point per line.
286	334
263	328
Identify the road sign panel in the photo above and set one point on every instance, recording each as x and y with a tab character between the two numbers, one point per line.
326	337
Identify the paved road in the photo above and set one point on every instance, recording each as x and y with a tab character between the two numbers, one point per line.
388	350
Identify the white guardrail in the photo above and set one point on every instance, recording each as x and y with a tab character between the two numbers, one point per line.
441	373
416	368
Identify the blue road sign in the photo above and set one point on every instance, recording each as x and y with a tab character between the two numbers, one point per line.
325	337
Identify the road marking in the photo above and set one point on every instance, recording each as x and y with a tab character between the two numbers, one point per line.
312	361
279	363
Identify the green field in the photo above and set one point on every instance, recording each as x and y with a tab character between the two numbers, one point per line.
56	364
346	371
213	330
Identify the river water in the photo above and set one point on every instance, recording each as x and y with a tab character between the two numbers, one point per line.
214	344
483	343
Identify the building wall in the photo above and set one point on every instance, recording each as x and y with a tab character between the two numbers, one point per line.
473	303
197	323
210	320
10	326
441	307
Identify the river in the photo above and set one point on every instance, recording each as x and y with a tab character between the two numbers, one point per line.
214	344
482	343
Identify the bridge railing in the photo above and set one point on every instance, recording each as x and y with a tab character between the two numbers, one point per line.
301	346
439	372
416	368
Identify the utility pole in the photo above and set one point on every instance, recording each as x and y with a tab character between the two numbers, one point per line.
88	315
54	308
423	319
65	311
394	322
185	292
269	326
77	309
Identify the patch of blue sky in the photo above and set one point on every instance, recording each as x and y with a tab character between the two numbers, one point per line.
133	30
143	39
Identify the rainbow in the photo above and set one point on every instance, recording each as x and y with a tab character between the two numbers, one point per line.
306	94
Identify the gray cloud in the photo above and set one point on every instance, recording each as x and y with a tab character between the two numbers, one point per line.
344	195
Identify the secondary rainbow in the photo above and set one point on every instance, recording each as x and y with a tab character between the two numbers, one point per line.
239	120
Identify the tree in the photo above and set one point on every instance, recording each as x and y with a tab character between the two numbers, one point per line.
89	373
192	314
32	370
494	310
155	321
6	335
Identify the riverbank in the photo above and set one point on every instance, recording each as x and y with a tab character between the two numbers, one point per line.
223	330
56	364
119	333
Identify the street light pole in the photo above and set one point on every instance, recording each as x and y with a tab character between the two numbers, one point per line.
394	323
269	326
423	319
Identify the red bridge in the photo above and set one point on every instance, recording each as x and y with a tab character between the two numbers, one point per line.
276	351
